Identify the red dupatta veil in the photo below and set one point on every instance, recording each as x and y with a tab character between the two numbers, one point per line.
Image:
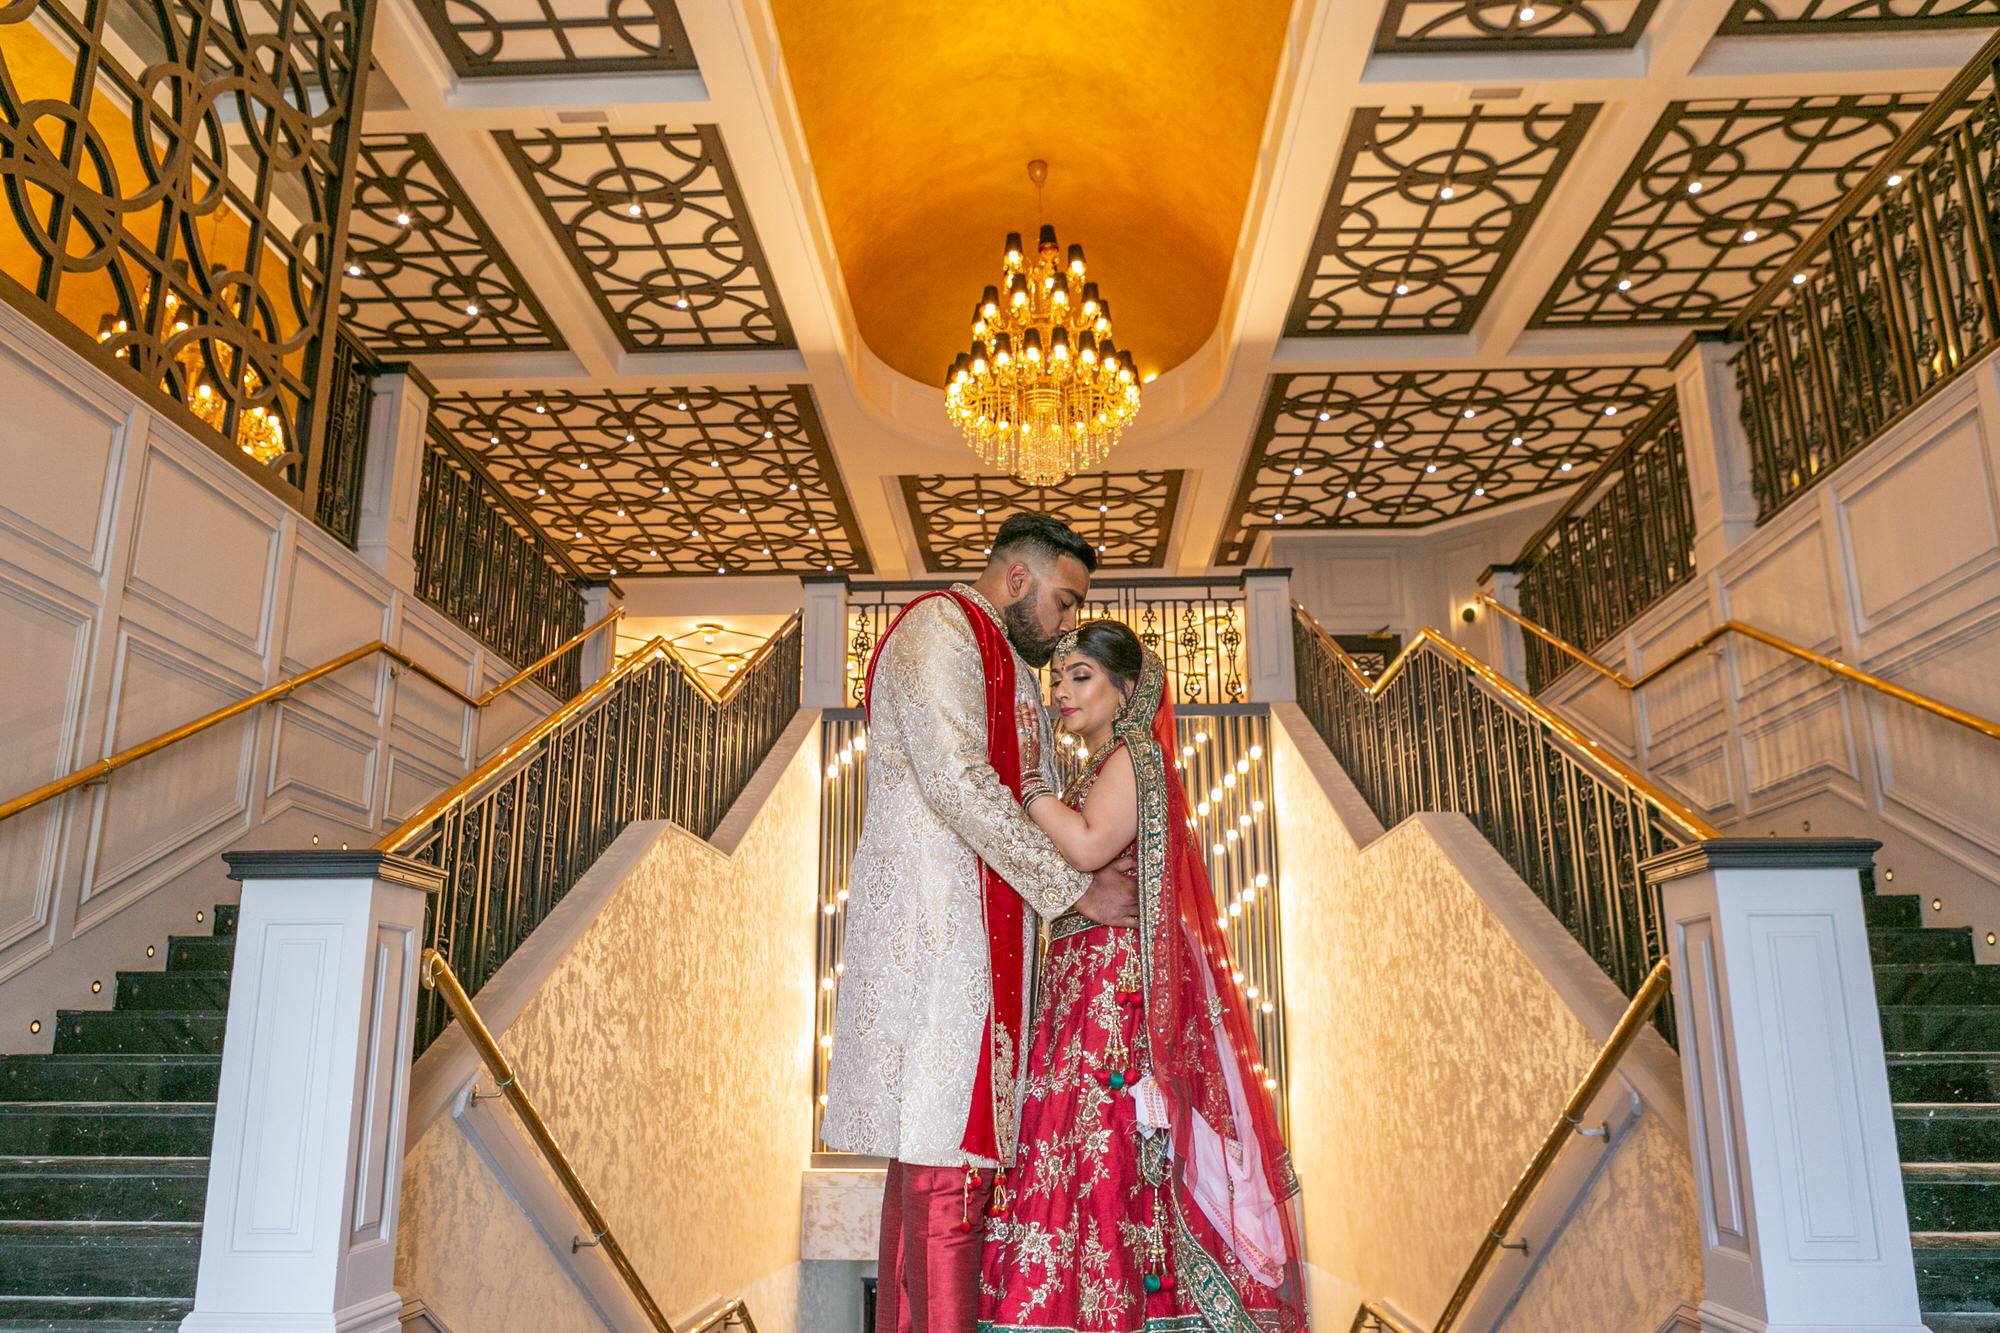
1237	1251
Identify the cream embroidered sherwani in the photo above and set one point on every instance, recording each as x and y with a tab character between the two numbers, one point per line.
914	986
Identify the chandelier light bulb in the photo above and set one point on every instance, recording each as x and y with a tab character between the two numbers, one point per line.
1042	391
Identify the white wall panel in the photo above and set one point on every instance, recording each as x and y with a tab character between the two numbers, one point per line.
1782	588
336	605
206	550
412	782
419	707
59	454
321	764
45	654
1806	738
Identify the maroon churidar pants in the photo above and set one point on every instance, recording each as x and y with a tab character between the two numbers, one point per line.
928	1280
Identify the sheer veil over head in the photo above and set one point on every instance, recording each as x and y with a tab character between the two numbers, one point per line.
1234	1195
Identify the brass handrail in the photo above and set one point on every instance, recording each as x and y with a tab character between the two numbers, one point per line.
1832	665
732	1311
1567	1124
1690	822
104	768
508	754
437	975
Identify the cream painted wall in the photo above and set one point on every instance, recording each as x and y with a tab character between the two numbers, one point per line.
1437	1020
669	1049
144	581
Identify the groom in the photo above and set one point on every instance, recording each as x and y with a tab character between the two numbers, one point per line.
930	1031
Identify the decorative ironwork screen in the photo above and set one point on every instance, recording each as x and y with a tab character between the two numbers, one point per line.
487	566
350	392
652	745
1432	735
1895	297
174	175
1197	627
1622	543
1223	763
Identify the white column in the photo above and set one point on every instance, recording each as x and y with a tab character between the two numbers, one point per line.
1267	635
1725	507
304	1180
391	473
1509	649
600	650
823	630
1798	1186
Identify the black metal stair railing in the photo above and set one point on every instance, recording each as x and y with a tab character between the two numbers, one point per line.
650	741
344	447
1622	542
1890	298
482	560
1441	731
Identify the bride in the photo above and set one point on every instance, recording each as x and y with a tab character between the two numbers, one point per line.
1151	1189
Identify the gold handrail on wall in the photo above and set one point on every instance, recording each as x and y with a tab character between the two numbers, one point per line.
104	768
1830	664
1690	822
512	751
437	975
1567	1124
733	1313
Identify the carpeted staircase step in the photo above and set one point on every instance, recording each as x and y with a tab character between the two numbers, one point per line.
1953	1196
205	953
154	1259
182	991
1911	983
1941	1027
120	1078
1921	944
106	1129
1957	1271
1949	1132
1882	910
93	1314
138	1032
103	1189
1944	1077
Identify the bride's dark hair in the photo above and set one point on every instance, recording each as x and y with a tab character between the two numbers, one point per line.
1112	645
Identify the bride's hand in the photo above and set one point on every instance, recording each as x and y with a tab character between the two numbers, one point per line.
1028	724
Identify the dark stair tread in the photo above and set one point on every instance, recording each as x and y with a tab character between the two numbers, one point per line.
99	1129
225	919
99	1258
132	1189
93	1314
1921	944
1937	983
1937	1321
185	991
109	1077
208	953
1885	910
1970	1028
138	1031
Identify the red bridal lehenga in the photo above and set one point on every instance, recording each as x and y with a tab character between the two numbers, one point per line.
1151	1189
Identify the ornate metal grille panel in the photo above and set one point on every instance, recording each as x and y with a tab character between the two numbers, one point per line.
1402	449
483	562
1127	516
1765	17
350	393
484	38
652	746
673	481
1560	25
654	225
173	176
424	271
1625	544
1228	779
1900	297
1426	211
1436	737
1195	627
1719	197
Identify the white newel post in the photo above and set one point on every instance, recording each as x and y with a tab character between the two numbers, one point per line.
1267	635
1510	650
600	650
823	643
1798	1186
392	473
304	1178
1725	505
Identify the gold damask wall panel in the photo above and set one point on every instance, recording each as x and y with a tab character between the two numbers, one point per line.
175	213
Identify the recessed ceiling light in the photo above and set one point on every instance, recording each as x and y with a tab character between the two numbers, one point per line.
493	439
632	208
1445	192
402	219
1895	181
540	410
666	490
1528	14
1379	445
794	486
1694	187
354	270
1798	278
628	439
583	467
1430	467
1468	414
1326	416
472	310
1479	490
1750	235
1350	495
1565	467
682	304
1402	289
1297	472
1624	284
1515	440
1611	411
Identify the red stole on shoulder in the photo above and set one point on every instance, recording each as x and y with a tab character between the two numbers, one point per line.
1003	1047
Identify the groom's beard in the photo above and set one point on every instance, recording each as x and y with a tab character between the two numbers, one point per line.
1029	641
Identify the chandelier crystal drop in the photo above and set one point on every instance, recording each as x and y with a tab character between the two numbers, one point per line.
1043	393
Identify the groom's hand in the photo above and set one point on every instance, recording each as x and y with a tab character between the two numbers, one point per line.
1113	896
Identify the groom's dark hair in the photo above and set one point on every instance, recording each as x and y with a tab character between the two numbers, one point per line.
1044	536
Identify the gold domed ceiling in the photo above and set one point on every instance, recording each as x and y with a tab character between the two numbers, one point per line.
921	119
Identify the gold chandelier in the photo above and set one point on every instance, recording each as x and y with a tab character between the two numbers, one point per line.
1043	393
